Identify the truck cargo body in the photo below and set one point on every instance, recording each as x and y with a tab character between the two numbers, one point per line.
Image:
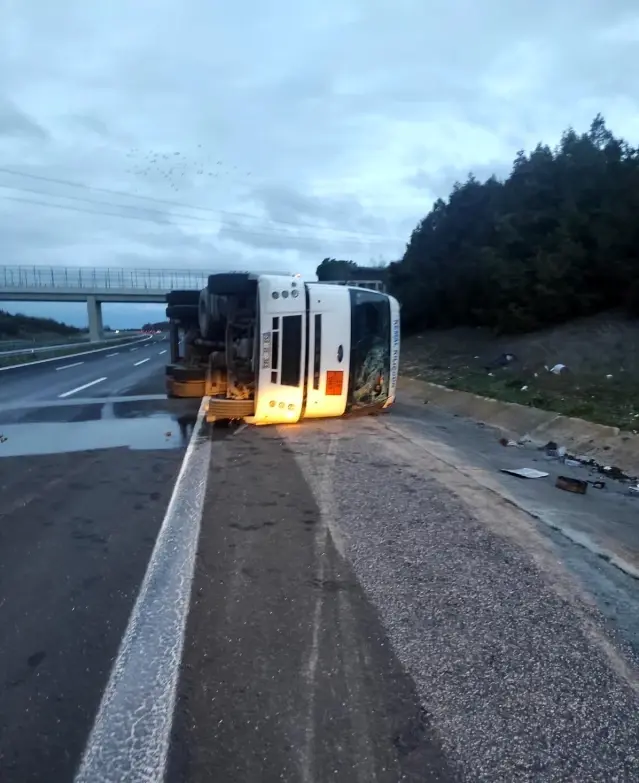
272	349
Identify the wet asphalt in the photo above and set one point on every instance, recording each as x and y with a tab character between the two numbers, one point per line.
85	479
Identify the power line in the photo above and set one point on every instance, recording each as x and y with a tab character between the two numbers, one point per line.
241	229
168	202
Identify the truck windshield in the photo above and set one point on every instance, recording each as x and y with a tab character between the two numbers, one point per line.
370	348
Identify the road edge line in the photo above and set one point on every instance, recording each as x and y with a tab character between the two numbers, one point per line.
130	737
70	355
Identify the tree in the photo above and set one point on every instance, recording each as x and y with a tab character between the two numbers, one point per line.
554	240
334	269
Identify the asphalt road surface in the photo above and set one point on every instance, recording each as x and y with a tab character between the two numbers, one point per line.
353	600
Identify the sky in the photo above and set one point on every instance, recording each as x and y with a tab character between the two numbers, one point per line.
267	136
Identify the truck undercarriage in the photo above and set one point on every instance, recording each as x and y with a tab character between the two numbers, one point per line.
213	345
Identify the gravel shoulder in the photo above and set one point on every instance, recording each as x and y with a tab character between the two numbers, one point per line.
523	677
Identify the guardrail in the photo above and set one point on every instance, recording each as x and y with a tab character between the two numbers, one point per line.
60	346
101	278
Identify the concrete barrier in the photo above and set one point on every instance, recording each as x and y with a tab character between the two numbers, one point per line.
608	445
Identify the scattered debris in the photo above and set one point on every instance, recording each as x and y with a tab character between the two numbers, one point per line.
598	484
524	388
3	438
571	484
572	463
553	450
558	368
608	377
506	442
633	490
528	473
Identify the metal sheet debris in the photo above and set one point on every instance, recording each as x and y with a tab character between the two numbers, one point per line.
528	473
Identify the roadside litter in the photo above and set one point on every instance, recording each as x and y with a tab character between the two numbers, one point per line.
557	369
506	442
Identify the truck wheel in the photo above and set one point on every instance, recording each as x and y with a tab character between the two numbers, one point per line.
181	373
183	298
186	313
231	284
225	409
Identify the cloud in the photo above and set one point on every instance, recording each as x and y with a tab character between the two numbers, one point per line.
313	129
15	123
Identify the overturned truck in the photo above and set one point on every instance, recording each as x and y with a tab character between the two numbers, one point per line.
273	349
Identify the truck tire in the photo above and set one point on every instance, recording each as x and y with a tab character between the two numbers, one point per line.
231	284
183	298
223	409
181	373
186	313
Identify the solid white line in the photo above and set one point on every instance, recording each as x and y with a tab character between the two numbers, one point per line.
80	388
137	364
130	737
66	366
62	358
109	355
161	352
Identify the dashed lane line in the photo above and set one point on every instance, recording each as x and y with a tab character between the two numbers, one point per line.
131	734
137	364
68	366
80	388
109	355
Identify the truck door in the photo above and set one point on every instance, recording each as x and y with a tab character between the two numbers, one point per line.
281	354
329	347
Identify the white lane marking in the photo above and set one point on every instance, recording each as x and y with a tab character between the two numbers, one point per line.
80	388
133	349
109	355
161	352
137	364
68	356
67	366
130	736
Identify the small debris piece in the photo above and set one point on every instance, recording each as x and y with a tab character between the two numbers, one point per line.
557	369
598	484
633	490
571	485
524	388
506	442
528	473
572	463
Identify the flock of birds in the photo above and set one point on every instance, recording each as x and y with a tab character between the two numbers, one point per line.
179	170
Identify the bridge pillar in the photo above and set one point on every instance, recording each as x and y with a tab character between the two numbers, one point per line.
94	306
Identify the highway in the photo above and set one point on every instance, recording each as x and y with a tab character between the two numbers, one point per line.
355	601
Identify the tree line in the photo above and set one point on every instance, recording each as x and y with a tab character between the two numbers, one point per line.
555	240
26	326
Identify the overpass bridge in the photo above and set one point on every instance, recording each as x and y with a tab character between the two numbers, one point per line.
94	285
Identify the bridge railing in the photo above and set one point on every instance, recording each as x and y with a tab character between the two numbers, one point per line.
99	278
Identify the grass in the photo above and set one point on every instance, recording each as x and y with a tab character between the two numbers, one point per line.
583	391
9	361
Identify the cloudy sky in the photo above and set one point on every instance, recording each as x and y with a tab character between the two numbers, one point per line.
211	135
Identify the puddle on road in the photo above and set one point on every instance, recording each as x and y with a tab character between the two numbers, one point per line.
156	431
